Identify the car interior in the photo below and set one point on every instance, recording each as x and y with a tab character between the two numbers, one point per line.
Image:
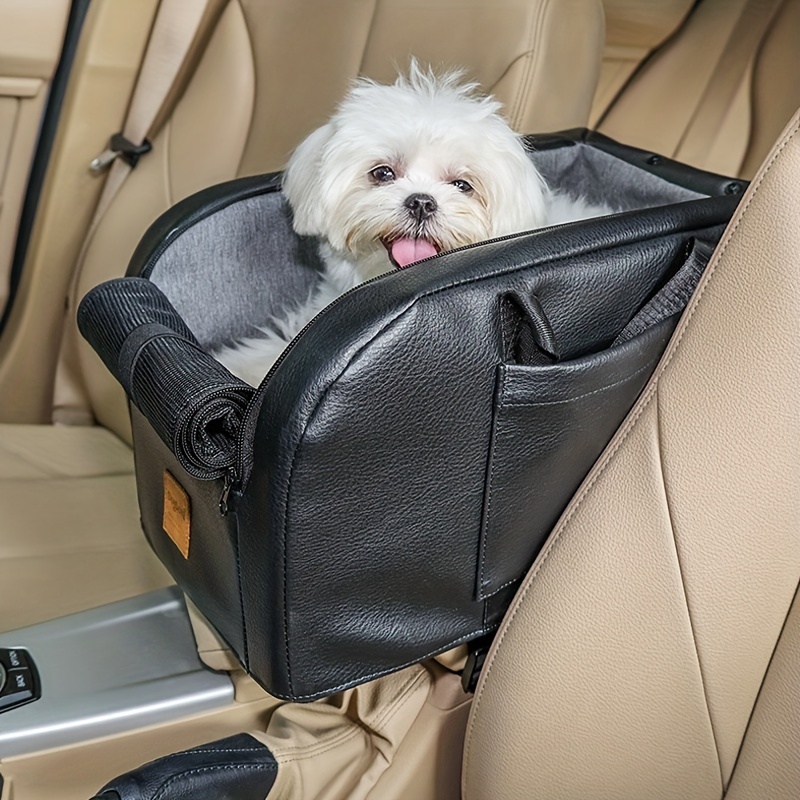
653	647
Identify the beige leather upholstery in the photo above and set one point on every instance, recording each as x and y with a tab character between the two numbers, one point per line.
653	649
271	72
70	535
31	35
398	737
634	29
662	107
112	42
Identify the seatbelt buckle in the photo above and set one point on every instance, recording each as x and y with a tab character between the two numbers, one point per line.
119	147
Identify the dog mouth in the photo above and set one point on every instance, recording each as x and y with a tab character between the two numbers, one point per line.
406	250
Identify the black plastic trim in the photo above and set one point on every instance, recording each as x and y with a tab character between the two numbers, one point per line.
44	147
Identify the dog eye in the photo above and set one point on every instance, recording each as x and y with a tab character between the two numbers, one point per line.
382	174
462	186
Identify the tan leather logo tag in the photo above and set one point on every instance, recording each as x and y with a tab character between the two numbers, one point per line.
177	522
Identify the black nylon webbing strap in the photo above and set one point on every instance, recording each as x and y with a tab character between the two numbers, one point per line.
193	403
672	298
133	345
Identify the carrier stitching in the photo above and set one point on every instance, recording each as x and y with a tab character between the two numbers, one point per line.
587	394
241	599
323	396
644	402
503	586
380	673
214	750
487	514
285	570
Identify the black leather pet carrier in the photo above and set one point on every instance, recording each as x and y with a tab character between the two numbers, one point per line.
382	493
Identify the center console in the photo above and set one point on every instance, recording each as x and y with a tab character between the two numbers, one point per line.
117	668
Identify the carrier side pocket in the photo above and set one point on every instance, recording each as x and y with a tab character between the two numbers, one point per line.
550	424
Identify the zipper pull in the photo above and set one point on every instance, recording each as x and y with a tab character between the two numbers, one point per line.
230	481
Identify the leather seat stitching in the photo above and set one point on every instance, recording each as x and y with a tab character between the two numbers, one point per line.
671	521
251	49
535	33
622	435
214	768
795	599
368	39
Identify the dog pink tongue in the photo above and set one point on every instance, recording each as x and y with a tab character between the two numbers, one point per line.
407	251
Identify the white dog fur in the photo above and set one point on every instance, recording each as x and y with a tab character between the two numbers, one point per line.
401	173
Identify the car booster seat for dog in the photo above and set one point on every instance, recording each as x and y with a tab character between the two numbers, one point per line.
381	494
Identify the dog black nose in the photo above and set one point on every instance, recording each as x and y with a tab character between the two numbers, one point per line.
420	206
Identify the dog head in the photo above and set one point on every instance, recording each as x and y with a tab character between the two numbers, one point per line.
406	171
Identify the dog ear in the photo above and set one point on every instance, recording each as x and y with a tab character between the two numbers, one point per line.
301	182
519	193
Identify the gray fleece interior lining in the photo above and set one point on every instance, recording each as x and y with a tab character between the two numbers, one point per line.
235	269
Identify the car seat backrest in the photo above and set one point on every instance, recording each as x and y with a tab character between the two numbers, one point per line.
634	29
666	105
273	71
654	648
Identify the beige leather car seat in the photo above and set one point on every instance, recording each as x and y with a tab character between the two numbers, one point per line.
271	72
654	648
634	30
719	92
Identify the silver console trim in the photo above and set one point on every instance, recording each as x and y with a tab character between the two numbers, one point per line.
110	670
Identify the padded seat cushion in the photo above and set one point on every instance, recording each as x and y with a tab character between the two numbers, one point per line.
70	536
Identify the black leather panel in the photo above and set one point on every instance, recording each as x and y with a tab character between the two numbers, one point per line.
210	575
238	767
399	469
550	425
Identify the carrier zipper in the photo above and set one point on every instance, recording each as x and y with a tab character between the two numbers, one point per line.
212	472
231	479
279	360
341	297
260	390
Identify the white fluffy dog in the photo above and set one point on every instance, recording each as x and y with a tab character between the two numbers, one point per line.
402	173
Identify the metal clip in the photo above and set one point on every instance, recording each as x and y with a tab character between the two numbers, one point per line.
102	162
121	147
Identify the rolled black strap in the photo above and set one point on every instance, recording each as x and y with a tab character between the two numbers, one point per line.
193	403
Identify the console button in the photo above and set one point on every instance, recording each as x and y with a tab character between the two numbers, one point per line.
18	689
19	680
14	658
